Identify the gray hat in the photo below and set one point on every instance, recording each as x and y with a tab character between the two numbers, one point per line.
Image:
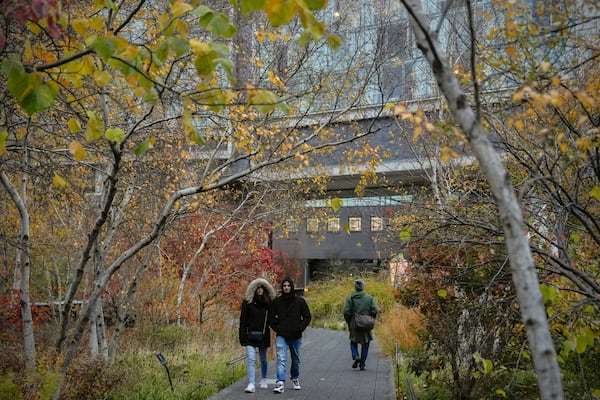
359	284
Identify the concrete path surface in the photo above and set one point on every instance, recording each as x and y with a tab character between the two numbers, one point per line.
326	373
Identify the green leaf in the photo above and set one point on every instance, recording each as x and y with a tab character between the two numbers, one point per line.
162	51
333	42
151	97
40	99
94	128
179	46
488	366
204	64
550	294
315	4
105	48
501	392
218	24
197	137
584	340
404	236
143	147
279	12
283	107
32	94
202	11
263	100
115	135
251	5
442	293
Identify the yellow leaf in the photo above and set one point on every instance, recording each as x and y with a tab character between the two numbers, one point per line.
199	47
347	228
595	192
336	203
511	50
77	150
182	28
59	181
3	136
179	8
417	132
102	77
163	21
27	52
519	125
429	126
518	97
399	109
74	125
275	79
80	26
34	28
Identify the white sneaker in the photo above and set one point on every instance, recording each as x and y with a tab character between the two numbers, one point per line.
250	388
279	387
263	383
296	384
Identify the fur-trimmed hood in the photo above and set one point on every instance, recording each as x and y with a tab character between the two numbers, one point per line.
269	291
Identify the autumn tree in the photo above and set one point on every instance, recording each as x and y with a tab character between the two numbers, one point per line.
138	113
523	46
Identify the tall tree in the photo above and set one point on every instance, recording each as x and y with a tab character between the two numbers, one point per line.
103	92
523	59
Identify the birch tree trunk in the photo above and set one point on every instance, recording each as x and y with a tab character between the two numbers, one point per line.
23	267
522	268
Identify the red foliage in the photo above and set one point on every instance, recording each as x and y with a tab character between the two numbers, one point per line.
11	323
35	10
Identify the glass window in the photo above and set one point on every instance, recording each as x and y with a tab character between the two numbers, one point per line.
312	225
376	224
354	224
333	224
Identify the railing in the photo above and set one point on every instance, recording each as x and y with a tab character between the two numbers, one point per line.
410	392
231	363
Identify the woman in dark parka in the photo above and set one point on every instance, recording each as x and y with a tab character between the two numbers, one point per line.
253	317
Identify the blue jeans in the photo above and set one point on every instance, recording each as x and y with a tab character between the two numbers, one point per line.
282	345
251	363
364	352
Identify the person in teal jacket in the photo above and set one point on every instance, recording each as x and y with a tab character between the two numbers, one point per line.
362	303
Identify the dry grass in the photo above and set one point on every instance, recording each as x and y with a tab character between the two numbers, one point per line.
400	325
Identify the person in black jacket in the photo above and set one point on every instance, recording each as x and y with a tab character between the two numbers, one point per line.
289	317
253	318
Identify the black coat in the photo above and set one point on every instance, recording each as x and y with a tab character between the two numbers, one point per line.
252	318
289	315
253	313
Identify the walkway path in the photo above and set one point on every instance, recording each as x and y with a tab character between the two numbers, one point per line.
326	373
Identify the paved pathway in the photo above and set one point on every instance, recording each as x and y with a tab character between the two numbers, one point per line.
325	373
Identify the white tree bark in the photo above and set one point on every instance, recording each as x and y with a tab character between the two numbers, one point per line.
523	270
23	268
